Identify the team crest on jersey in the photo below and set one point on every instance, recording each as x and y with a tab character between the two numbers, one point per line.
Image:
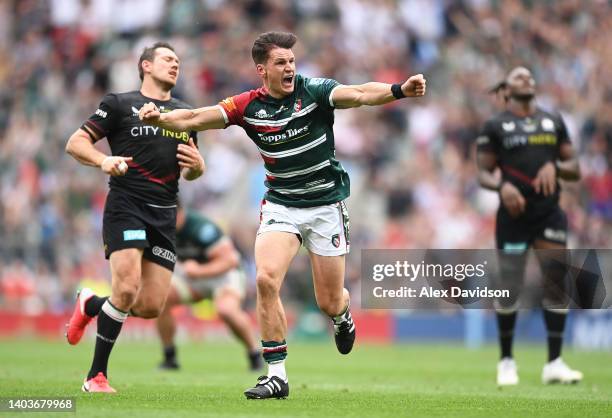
297	106
508	126
529	125
336	240
548	125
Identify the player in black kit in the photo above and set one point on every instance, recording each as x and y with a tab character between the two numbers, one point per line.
531	148
140	213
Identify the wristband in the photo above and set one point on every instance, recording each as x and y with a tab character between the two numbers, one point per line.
396	91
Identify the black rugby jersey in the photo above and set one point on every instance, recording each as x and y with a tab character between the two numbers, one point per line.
154	172
522	146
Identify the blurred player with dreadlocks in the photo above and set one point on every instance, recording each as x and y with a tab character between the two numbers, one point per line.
531	148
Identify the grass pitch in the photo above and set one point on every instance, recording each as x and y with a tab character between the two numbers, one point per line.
374	381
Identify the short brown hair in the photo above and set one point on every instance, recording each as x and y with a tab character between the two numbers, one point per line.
268	41
148	54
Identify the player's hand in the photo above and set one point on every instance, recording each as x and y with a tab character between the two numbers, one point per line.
512	199
191	269
415	86
115	165
546	179
149	113
189	157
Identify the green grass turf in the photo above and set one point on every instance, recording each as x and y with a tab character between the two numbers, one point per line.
374	381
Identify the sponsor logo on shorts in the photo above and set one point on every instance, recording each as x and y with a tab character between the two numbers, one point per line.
336	240
274	221
134	234
164	253
515	247
555	234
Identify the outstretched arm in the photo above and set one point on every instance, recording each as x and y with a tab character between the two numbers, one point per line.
374	93
200	119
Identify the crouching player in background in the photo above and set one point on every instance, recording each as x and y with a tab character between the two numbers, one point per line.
209	266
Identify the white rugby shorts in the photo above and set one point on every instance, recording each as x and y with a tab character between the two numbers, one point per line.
323	230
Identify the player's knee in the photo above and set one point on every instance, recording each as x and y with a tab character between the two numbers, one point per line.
267	283
148	306
227	307
225	312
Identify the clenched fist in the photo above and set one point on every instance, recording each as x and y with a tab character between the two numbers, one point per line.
115	165
415	86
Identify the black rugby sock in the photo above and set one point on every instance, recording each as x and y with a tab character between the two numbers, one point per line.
94	304
110	320
555	325
505	323
170	354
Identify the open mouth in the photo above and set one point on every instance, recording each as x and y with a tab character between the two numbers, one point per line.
173	73
287	81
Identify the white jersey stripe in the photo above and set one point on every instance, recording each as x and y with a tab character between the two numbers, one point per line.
308	170
294	151
282	122
308	190
160	207
225	118
331	93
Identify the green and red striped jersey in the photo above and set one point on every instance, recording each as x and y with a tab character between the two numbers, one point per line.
295	138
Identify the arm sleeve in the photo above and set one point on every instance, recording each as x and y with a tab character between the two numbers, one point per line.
487	141
233	108
321	90
105	119
562	134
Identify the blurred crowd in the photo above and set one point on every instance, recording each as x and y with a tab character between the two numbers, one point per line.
411	162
